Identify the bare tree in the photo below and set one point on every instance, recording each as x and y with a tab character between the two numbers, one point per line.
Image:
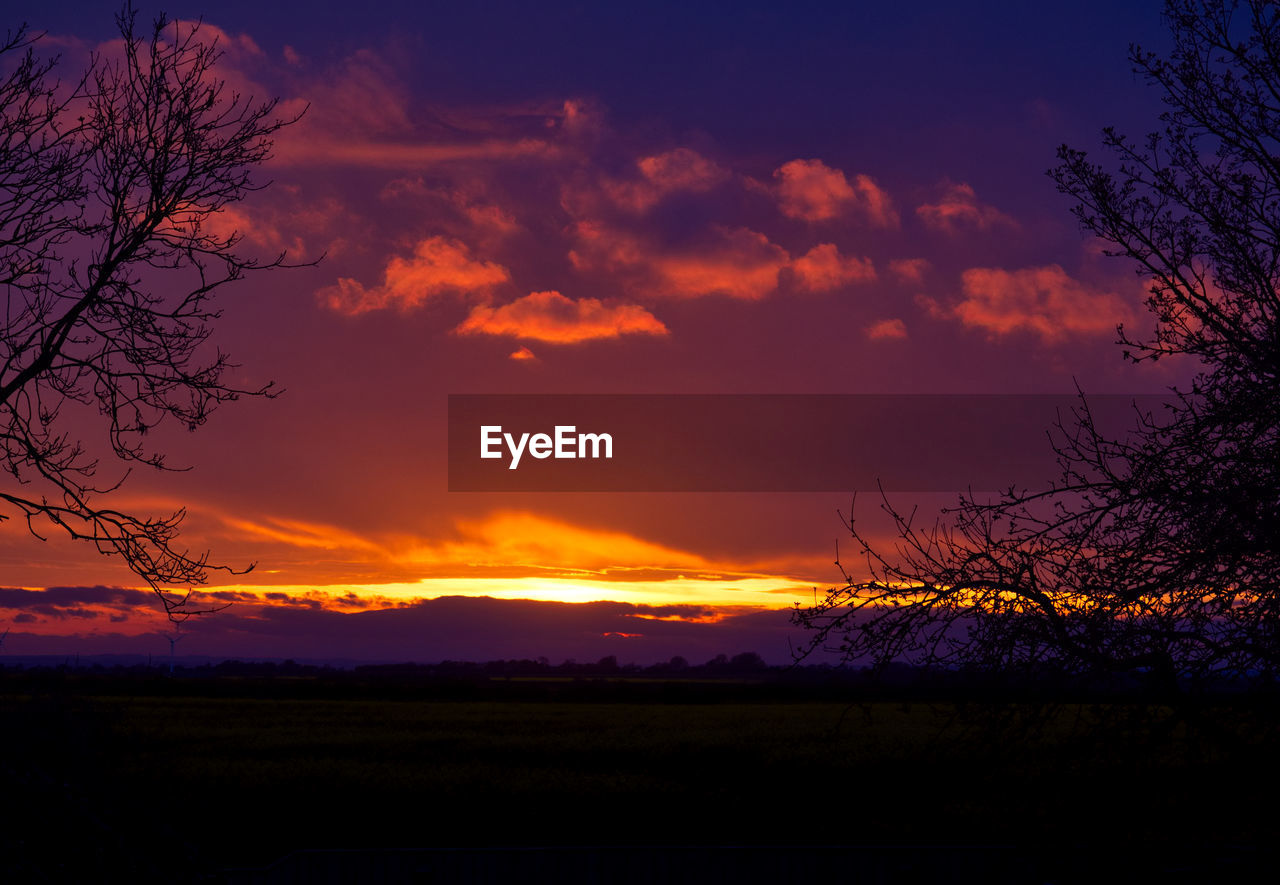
1159	552
110	259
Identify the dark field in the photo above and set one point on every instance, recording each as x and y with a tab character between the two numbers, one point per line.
168	780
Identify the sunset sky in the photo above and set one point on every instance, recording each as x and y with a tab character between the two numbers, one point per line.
606	199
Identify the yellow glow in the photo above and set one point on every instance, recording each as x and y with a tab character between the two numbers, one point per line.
752	592
511	538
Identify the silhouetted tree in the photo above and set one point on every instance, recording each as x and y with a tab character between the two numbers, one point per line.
1158	552
109	262
747	660
607	664
719	662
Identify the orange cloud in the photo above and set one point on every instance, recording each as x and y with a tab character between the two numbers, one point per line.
813	191
909	270
887	330
522	353
438	265
959	208
478	555
520	537
743	264
823	268
1043	300
550	316
736	262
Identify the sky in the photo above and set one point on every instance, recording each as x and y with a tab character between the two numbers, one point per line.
836	198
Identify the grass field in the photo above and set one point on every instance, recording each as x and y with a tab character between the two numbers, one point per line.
203	782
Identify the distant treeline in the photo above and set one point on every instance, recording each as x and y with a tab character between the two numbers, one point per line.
745	676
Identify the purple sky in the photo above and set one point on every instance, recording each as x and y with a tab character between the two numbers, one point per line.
577	198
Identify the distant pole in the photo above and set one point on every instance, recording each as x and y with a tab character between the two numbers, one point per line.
173	640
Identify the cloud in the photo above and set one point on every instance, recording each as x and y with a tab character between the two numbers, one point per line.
813	191
882	330
736	262
438	265
823	268
663	174
360	112
454	628
362	95
495	554
909	270
1042	300
74	597
286	222
58	604
552	317
464	209
741	264
960	208
522	354
410	155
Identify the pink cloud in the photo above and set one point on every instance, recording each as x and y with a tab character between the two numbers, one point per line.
875	203
552	317
286	222
662	174
438	265
481	219
232	46
490	217
892	329
1042	300
909	270
408	154
823	268
960	208
362	113
813	191
363	95
681	169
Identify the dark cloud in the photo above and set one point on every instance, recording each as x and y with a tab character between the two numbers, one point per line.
70	597
455	628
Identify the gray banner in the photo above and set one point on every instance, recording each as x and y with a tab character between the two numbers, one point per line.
764	442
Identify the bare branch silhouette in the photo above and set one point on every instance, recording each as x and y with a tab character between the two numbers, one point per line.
110	261
1157	553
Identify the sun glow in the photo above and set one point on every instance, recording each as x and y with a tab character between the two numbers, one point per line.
761	592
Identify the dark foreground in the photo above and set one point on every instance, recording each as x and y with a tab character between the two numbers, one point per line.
146	778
